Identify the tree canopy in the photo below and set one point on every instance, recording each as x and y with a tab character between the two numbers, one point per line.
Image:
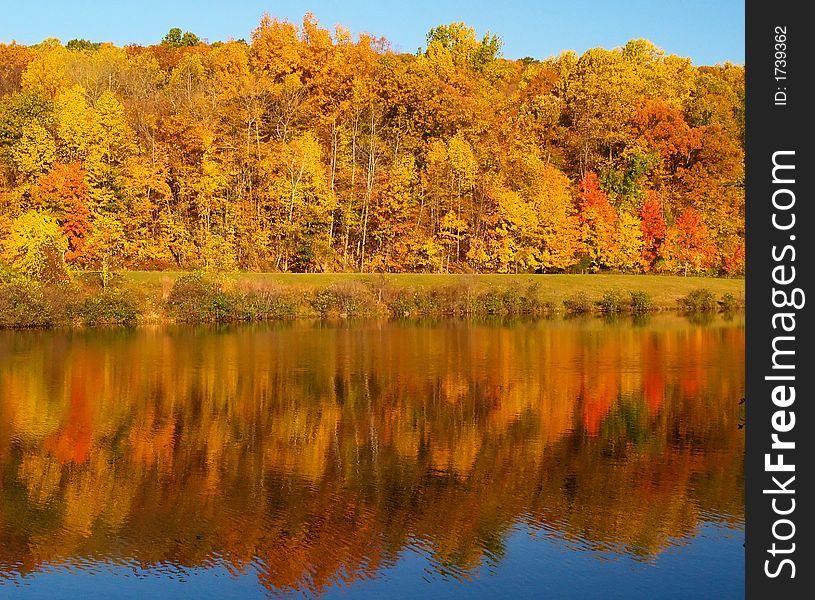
306	149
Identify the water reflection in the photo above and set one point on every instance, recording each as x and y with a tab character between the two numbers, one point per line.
313	455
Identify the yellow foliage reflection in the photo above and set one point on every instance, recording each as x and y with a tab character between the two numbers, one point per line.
312	454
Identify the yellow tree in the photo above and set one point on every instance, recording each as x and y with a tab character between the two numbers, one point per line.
112	134
74	125
560	226
396	213
112	143
36	246
34	153
302	205
147	193
600	98
666	78
626	254
513	241
105	245
45	74
464	169
97	70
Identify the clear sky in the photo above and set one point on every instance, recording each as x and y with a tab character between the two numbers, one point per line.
707	31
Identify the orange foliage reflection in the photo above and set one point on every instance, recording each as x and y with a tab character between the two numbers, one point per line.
313	454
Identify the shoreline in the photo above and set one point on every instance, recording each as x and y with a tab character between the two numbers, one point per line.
165	298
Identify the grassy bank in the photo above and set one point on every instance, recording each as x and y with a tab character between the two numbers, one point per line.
158	297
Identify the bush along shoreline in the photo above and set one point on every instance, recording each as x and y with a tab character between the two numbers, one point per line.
205	298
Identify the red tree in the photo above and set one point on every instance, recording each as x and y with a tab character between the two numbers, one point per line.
598	218
653	228
688	245
64	192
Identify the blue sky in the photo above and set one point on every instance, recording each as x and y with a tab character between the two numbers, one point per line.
707	31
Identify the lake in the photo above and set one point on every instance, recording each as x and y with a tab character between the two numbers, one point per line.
576	458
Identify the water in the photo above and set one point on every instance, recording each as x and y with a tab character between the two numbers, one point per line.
444	459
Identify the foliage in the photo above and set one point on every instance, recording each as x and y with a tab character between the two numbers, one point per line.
111	307
346	299
729	303
611	302
197	299
82	45
176	39
202	297
309	150
35	247
700	300
265	304
23	304
641	302
688	246
578	303
104	246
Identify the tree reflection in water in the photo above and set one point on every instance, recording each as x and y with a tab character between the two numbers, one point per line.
313	454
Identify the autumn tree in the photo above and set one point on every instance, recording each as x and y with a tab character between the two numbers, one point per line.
688	247
104	246
653	229
598	219
64	193
462	46
36	247
311	149
35	152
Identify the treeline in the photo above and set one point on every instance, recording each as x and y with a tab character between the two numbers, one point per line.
308	150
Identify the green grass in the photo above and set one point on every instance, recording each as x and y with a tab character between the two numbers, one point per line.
664	291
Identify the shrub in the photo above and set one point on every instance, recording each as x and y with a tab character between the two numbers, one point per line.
9	274
509	301
578	303
547	307
698	301
427	303
514	302
227	306
532	303
729	303
640	302
347	299
490	302
456	299
23	304
197	299
611	302
401	304
191	298
324	302
269	305
111	307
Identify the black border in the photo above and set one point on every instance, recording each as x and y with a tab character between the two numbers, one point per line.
772	127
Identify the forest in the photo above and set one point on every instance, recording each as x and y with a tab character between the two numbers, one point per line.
305	149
